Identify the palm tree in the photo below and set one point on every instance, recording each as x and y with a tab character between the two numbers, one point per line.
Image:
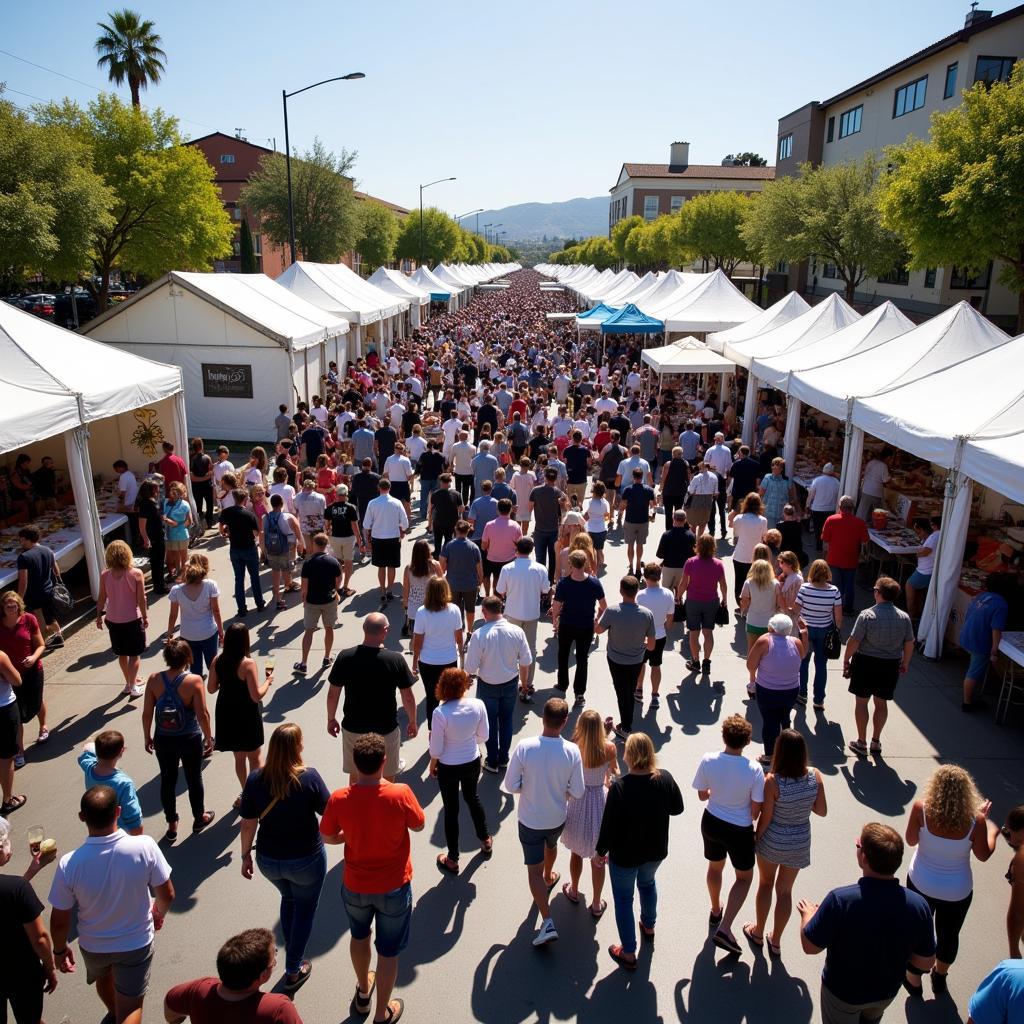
129	48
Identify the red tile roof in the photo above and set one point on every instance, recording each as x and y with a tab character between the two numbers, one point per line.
394	207
700	171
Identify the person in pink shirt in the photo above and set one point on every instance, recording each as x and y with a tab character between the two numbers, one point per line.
499	543
701	585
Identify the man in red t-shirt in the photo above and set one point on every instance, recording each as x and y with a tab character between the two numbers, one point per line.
244	963
842	535
373	819
172	467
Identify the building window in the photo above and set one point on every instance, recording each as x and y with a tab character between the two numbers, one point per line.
950	89
849	122
227	158
929	277
237	213
831	131
677	203
993	69
910	97
829	270
898	275
786	146
782	267
650	207
236	247
963	279
257	244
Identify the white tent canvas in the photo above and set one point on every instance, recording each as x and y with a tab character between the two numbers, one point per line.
423	278
394	282
330	288
789	307
623	282
713	305
688	355
668	292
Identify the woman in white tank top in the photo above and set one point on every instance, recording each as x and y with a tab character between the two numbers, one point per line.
945	827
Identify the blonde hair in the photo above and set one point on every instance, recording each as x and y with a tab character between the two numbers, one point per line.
790	559
762	551
819	572
283	767
118	555
583	542
639	753
176	490
589	737
951	799
761	575
197	568
13	595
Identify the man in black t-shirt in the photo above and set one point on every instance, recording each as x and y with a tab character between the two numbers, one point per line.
312	442
745	474
200	470
370	676
384	440
242	530
674	548
639	501
444	508
430	467
363	486
37	574
577	467
342	519
321	580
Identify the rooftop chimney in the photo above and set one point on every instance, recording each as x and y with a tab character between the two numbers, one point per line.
679	156
974	16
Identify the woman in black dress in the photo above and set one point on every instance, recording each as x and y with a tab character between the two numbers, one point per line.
239	711
151	527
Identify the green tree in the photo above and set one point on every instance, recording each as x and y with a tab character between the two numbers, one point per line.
709	226
50	200
326	211
748	159
828	212
440	238
620	232
378	233
959	197
166	211
598	251
247	251
130	49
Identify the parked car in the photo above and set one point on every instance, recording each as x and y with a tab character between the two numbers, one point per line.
64	312
40	304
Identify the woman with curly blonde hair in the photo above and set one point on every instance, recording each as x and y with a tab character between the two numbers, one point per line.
580	542
946	826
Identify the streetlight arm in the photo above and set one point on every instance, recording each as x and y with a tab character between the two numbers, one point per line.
438	182
340	78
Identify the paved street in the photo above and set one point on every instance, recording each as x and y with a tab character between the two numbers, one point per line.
470	958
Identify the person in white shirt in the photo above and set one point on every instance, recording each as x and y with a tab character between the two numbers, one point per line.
462	454
220	467
561	425
414	384
562	384
396	412
282	487
459	726
310	507
522	582
384	526
719	459
919	580
605	403
319	411
661	603
872	487
733	787
546	772
416	445
822	499
108	880
450	429
633	382
498	655
127	486
398	469
523	482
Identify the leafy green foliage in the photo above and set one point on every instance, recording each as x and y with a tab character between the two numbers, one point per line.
247	251
130	49
708	227
440	237
378	232
748	159
959	197
327	222
620	232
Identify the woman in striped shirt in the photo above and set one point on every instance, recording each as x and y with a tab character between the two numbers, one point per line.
820	605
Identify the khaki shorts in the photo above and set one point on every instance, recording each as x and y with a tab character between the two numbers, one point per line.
670	577
635	533
343	548
314	614
130	970
392	745
579	490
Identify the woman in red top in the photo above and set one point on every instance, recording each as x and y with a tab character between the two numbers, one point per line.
22	641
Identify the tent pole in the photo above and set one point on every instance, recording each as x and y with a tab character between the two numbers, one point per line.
76	448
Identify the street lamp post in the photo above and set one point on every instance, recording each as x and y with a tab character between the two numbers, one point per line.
422	187
463	216
288	151
486	235
495	232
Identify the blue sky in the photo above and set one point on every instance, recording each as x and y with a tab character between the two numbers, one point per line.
523	101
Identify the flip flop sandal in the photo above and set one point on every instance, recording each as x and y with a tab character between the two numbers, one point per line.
205	820
44	735
305	970
715	919
860	749
599	913
723	941
875	748
394	1015
773	947
752	936
487	846
281	605
445	864
362	1006
615	952
555	879
567	893
13	804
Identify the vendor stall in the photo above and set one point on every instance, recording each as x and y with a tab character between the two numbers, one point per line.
789	307
394	282
686	356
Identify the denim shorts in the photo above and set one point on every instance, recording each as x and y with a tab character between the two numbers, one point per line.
392	911
978	667
534	840
919	581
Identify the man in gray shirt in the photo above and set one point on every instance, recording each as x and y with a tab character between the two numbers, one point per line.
546	505
631	631
282	421
363	443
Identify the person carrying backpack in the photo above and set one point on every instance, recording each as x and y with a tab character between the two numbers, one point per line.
176	727
281	536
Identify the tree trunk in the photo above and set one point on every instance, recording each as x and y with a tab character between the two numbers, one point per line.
850	289
133	84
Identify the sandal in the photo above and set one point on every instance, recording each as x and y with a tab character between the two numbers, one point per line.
875	748
752	937
361	1005
773	947
487	846
202	822
281	605
859	747
445	863
726	942
293	587
300	979
348	592
171	834
555	879
715	919
599	912
44	735
13	804
615	952
394	1015
567	893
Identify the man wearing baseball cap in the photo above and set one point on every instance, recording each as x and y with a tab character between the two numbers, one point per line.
343	528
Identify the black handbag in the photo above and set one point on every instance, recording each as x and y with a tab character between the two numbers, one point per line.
679	614
722	615
833	644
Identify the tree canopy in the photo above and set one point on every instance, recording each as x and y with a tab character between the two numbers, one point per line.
440	237
709	227
326	211
959	197
378	232
129	49
828	212
620	232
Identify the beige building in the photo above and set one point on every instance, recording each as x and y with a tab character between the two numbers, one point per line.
649	190
885	109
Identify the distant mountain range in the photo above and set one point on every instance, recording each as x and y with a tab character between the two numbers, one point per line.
530	222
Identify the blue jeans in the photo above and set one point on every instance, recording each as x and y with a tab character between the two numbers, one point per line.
243	559
203	653
845	580
544	550
624	881
816	637
427	487
500	702
299	882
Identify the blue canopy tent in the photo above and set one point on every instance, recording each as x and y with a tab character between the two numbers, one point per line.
629	320
592	319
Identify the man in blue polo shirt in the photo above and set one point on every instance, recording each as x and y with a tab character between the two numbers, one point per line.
1000	997
876	934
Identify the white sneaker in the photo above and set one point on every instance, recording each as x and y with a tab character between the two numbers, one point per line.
136	690
546	934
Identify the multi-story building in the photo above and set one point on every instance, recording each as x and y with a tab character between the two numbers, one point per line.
885	109
649	190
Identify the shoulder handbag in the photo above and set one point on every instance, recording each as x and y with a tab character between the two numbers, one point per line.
61	597
679	613
833	644
268	808
722	615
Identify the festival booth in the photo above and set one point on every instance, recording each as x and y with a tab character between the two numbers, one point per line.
668	291
789	307
628	292
106	405
620	284
394	282
339	291
712	304
439	292
591	291
244	344
591	319
462	286
629	320
685	356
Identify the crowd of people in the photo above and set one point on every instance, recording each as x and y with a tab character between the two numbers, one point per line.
481	466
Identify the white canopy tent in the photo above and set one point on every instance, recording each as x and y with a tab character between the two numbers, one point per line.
687	355
394	282
713	305
627	293
787	308
54	382
339	291
437	290
244	344
605	281
459	286
624	281
668	292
